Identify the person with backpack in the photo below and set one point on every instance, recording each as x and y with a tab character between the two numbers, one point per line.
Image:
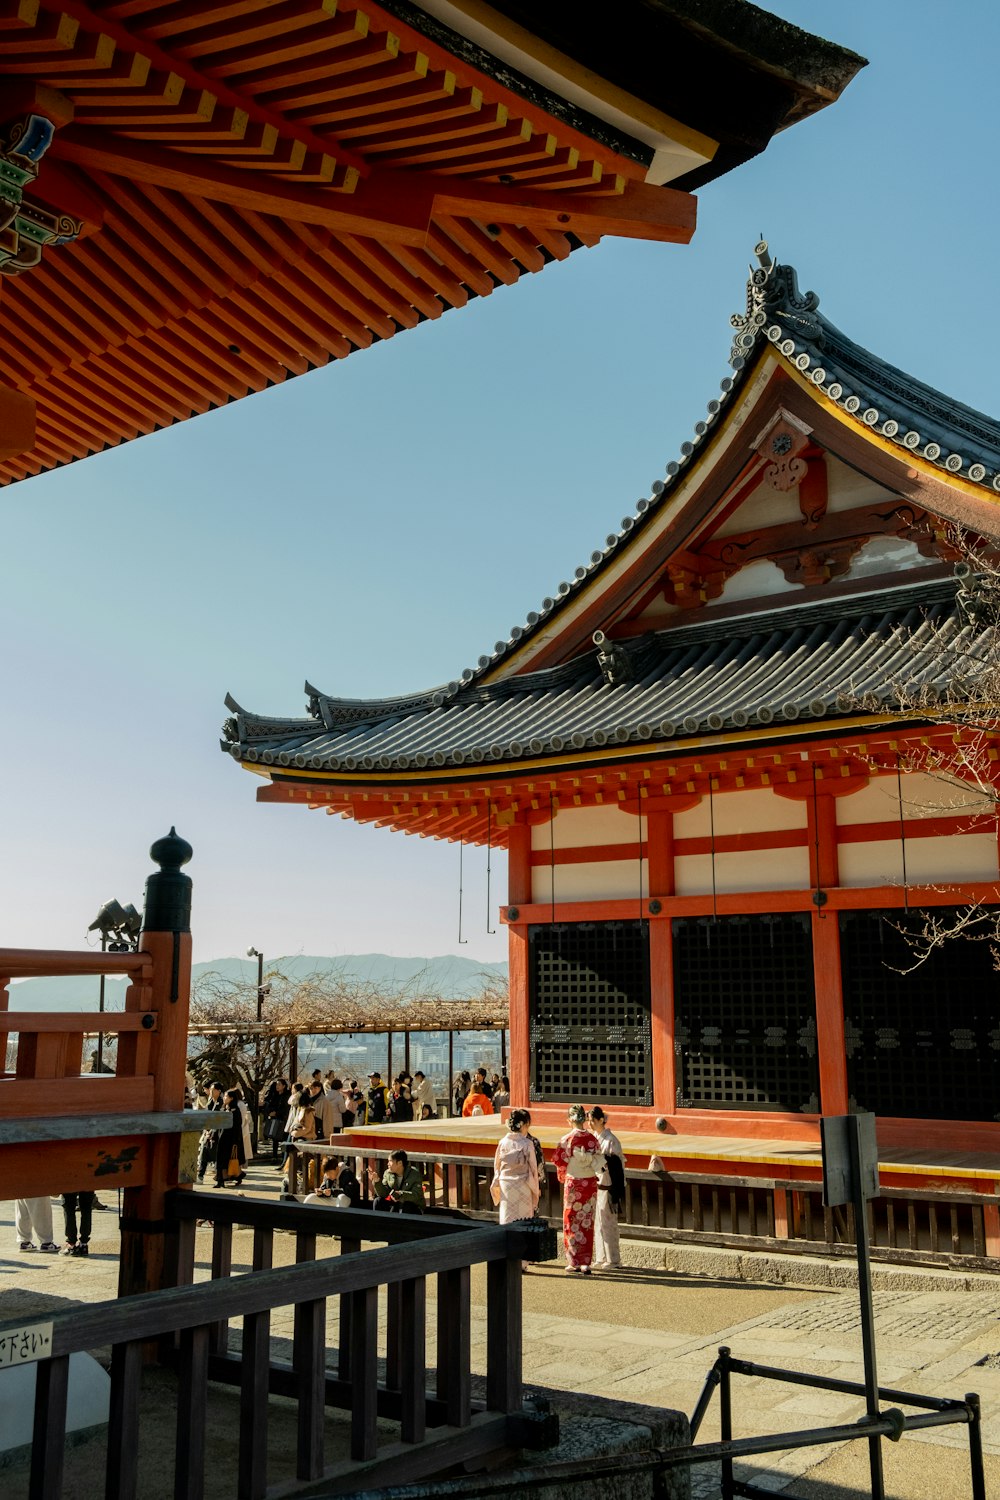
376	1100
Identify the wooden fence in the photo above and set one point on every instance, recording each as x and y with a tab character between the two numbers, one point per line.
190	1324
906	1225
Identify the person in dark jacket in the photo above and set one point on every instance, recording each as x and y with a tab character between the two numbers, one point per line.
401	1186
338	1187
209	1138
274	1113
376	1100
400	1106
230	1141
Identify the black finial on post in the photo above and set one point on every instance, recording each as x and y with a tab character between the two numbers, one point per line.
168	891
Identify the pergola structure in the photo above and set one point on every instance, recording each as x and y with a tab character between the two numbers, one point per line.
202	198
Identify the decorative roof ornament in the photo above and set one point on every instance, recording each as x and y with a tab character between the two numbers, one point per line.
773	290
613	660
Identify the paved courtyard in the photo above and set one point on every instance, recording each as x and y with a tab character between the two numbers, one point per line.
649	1336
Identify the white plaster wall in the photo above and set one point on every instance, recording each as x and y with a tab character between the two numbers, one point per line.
613	880
756	870
577	827
935	861
923	797
758	580
847	489
764	507
756	810
886	554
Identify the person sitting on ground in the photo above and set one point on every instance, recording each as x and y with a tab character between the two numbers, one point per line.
338	1186
422	1093
400	1187
426	1113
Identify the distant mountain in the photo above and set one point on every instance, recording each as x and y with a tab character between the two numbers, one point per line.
449	977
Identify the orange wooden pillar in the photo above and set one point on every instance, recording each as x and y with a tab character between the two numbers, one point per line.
661	961
518	895
148	1248
824	874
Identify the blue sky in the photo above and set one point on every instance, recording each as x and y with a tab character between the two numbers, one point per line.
377	525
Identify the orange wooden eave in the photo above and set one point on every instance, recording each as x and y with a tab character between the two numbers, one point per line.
265	188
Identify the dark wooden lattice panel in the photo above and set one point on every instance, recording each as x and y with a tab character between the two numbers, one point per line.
589	1012
923	1044
745	1028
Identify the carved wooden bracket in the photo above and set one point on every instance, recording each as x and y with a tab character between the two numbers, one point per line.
30	114
781	446
818	564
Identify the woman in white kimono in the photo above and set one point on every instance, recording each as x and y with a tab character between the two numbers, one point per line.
607	1251
515	1172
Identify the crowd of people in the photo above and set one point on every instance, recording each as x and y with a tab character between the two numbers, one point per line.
588	1159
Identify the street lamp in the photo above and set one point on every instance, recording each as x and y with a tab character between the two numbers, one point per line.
119	927
262	991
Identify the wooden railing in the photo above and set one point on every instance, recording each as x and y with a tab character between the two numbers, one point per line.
437	1428
47	1078
906	1225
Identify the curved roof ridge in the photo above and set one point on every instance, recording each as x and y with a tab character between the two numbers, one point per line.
961	440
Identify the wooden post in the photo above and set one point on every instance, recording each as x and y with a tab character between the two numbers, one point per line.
833	1091
166	938
518	894
661	962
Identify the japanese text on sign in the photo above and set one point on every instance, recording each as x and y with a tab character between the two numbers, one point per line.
19	1346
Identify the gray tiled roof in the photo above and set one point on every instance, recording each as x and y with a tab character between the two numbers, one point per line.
808	663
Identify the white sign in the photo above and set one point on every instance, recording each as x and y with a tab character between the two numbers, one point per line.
21	1346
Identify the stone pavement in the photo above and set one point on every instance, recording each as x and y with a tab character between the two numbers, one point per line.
649	1335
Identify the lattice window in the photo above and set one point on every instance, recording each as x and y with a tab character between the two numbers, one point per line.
745	1013
589	1012
923	1044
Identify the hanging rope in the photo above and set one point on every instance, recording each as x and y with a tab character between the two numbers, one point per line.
489	858
461	852
902	833
711	828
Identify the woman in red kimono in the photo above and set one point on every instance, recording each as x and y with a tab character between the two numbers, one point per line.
579	1163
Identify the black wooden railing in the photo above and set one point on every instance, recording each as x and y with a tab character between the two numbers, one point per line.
189	1326
906	1225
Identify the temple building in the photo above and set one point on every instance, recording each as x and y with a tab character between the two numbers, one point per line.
734	764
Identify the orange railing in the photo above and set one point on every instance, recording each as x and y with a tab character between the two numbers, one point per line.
45	1075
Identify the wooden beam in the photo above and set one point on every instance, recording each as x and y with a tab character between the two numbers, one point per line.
638	212
391	206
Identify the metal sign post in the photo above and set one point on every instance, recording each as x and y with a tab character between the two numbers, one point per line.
850	1175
